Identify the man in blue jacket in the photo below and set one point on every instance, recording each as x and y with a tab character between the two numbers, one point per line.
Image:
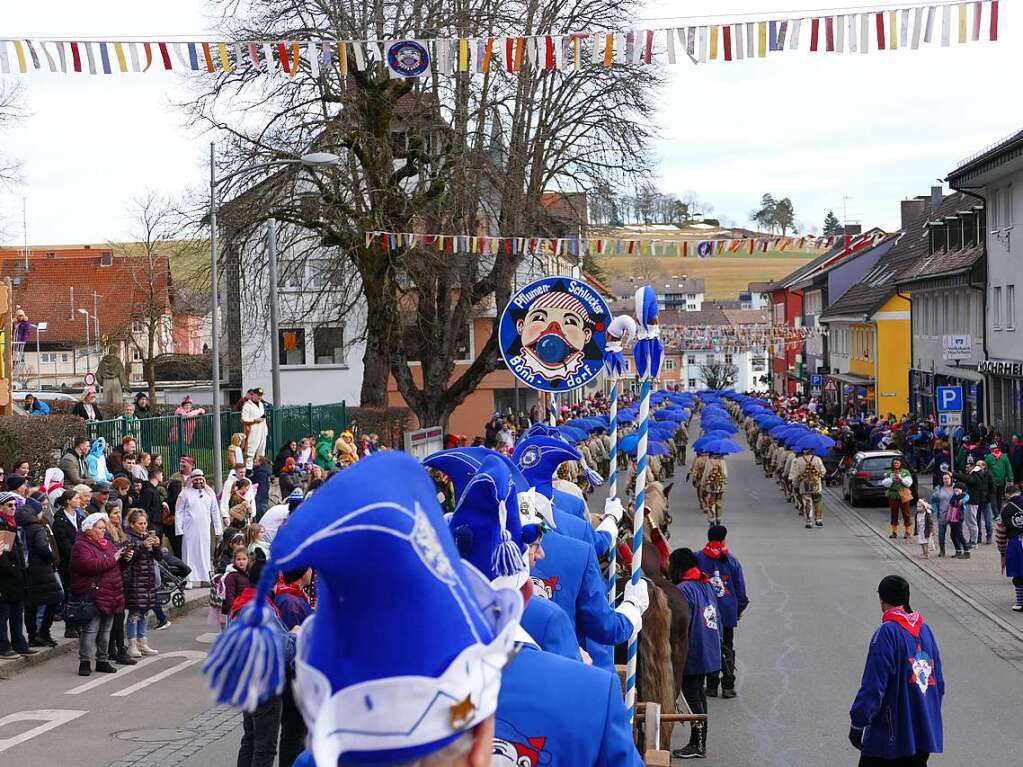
896	716
704	655
725	574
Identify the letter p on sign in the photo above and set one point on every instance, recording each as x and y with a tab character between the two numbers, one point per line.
950	399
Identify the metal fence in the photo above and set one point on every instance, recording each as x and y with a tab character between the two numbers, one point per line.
173	436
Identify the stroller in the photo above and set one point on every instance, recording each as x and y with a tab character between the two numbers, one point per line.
836	466
172	580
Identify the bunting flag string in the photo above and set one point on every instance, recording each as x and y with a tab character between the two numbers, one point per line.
614	246
863	31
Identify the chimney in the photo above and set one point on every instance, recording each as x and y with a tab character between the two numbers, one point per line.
912	210
936	198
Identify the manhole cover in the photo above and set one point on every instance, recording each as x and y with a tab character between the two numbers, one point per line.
168	735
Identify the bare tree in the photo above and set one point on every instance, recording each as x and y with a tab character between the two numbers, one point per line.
719	375
158	231
12	111
453	154
647	268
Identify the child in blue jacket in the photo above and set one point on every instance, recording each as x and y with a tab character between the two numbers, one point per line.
896	716
704	655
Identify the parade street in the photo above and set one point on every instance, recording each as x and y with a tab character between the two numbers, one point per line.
800	651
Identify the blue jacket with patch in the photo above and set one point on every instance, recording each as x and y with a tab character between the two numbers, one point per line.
533	730
704	654
548	625
729	585
568	575
898	707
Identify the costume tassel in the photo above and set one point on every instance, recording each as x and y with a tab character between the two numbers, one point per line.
507	559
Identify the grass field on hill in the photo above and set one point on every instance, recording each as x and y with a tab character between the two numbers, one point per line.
725	276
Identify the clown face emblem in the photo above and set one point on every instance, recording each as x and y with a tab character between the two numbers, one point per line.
408	58
553	334
544	587
710	617
528	753
529	457
923	671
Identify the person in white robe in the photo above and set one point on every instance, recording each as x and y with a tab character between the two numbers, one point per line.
254	424
196	514
225	494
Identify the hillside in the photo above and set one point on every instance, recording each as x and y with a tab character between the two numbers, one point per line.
725	276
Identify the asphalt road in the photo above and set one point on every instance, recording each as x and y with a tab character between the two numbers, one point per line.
802	643
800	654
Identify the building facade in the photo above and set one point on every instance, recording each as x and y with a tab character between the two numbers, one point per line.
995	175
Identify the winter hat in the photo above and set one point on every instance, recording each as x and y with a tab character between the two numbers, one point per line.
487	528
295	498
539	457
621	330
380	678
894	590
15	481
90	521
7	496
648	349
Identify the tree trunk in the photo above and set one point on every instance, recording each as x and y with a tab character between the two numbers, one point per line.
375	370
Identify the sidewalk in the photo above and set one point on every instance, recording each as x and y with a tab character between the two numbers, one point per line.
978	577
194	599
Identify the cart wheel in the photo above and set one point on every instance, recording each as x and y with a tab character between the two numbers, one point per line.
178	600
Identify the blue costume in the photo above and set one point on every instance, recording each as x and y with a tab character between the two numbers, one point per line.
541	718
572	504
898	707
726	577
704	655
548	625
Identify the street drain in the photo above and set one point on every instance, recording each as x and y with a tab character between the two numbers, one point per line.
168	735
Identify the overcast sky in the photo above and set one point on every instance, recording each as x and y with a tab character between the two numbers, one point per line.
812	127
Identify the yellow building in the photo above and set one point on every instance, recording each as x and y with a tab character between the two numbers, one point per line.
870	338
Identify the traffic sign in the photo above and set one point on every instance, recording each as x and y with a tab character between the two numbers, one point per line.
816	380
950	419
950	399
90	379
831	386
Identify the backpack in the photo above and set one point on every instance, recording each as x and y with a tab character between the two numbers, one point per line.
715	484
809	481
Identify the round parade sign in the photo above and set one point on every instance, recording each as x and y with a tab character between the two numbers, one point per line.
553	333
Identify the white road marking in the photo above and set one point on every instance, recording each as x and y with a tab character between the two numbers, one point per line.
191	657
207	638
158	677
50	718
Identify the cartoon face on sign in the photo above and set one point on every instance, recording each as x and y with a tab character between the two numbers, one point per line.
553	334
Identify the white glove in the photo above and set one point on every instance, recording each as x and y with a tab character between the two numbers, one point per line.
887	481
632	614
907	481
613	508
637	594
609	526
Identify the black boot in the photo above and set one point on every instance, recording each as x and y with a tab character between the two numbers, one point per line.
103	666
84	668
47	640
124	659
697	748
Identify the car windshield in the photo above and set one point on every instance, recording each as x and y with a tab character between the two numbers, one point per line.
877	463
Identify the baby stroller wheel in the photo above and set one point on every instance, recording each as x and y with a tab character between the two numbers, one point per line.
178	599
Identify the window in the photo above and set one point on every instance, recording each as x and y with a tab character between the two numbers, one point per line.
329	345
934	315
136	326
291	345
728	359
1007	217
993	207
1010	307
691	359
65	357
106	258
669	364
946	313
136	354
997	308
692	383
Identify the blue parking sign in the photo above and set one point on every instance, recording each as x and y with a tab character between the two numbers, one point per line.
950	399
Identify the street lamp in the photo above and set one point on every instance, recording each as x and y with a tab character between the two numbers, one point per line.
311	160
40	328
85	314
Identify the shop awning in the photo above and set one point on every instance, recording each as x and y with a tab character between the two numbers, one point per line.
852	379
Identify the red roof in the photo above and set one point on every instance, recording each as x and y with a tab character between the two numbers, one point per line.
59	282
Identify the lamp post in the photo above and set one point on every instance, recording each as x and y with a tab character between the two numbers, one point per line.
312	160
40	328
88	360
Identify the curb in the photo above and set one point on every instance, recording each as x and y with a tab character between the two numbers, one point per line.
12	668
964	596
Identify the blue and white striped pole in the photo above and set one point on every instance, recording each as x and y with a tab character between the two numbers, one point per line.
637	537
554	409
612	480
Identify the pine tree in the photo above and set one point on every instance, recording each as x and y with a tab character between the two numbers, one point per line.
832	225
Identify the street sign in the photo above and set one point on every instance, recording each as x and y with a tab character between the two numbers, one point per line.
950	399
816	380
950	419
831	386
956	347
90	379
